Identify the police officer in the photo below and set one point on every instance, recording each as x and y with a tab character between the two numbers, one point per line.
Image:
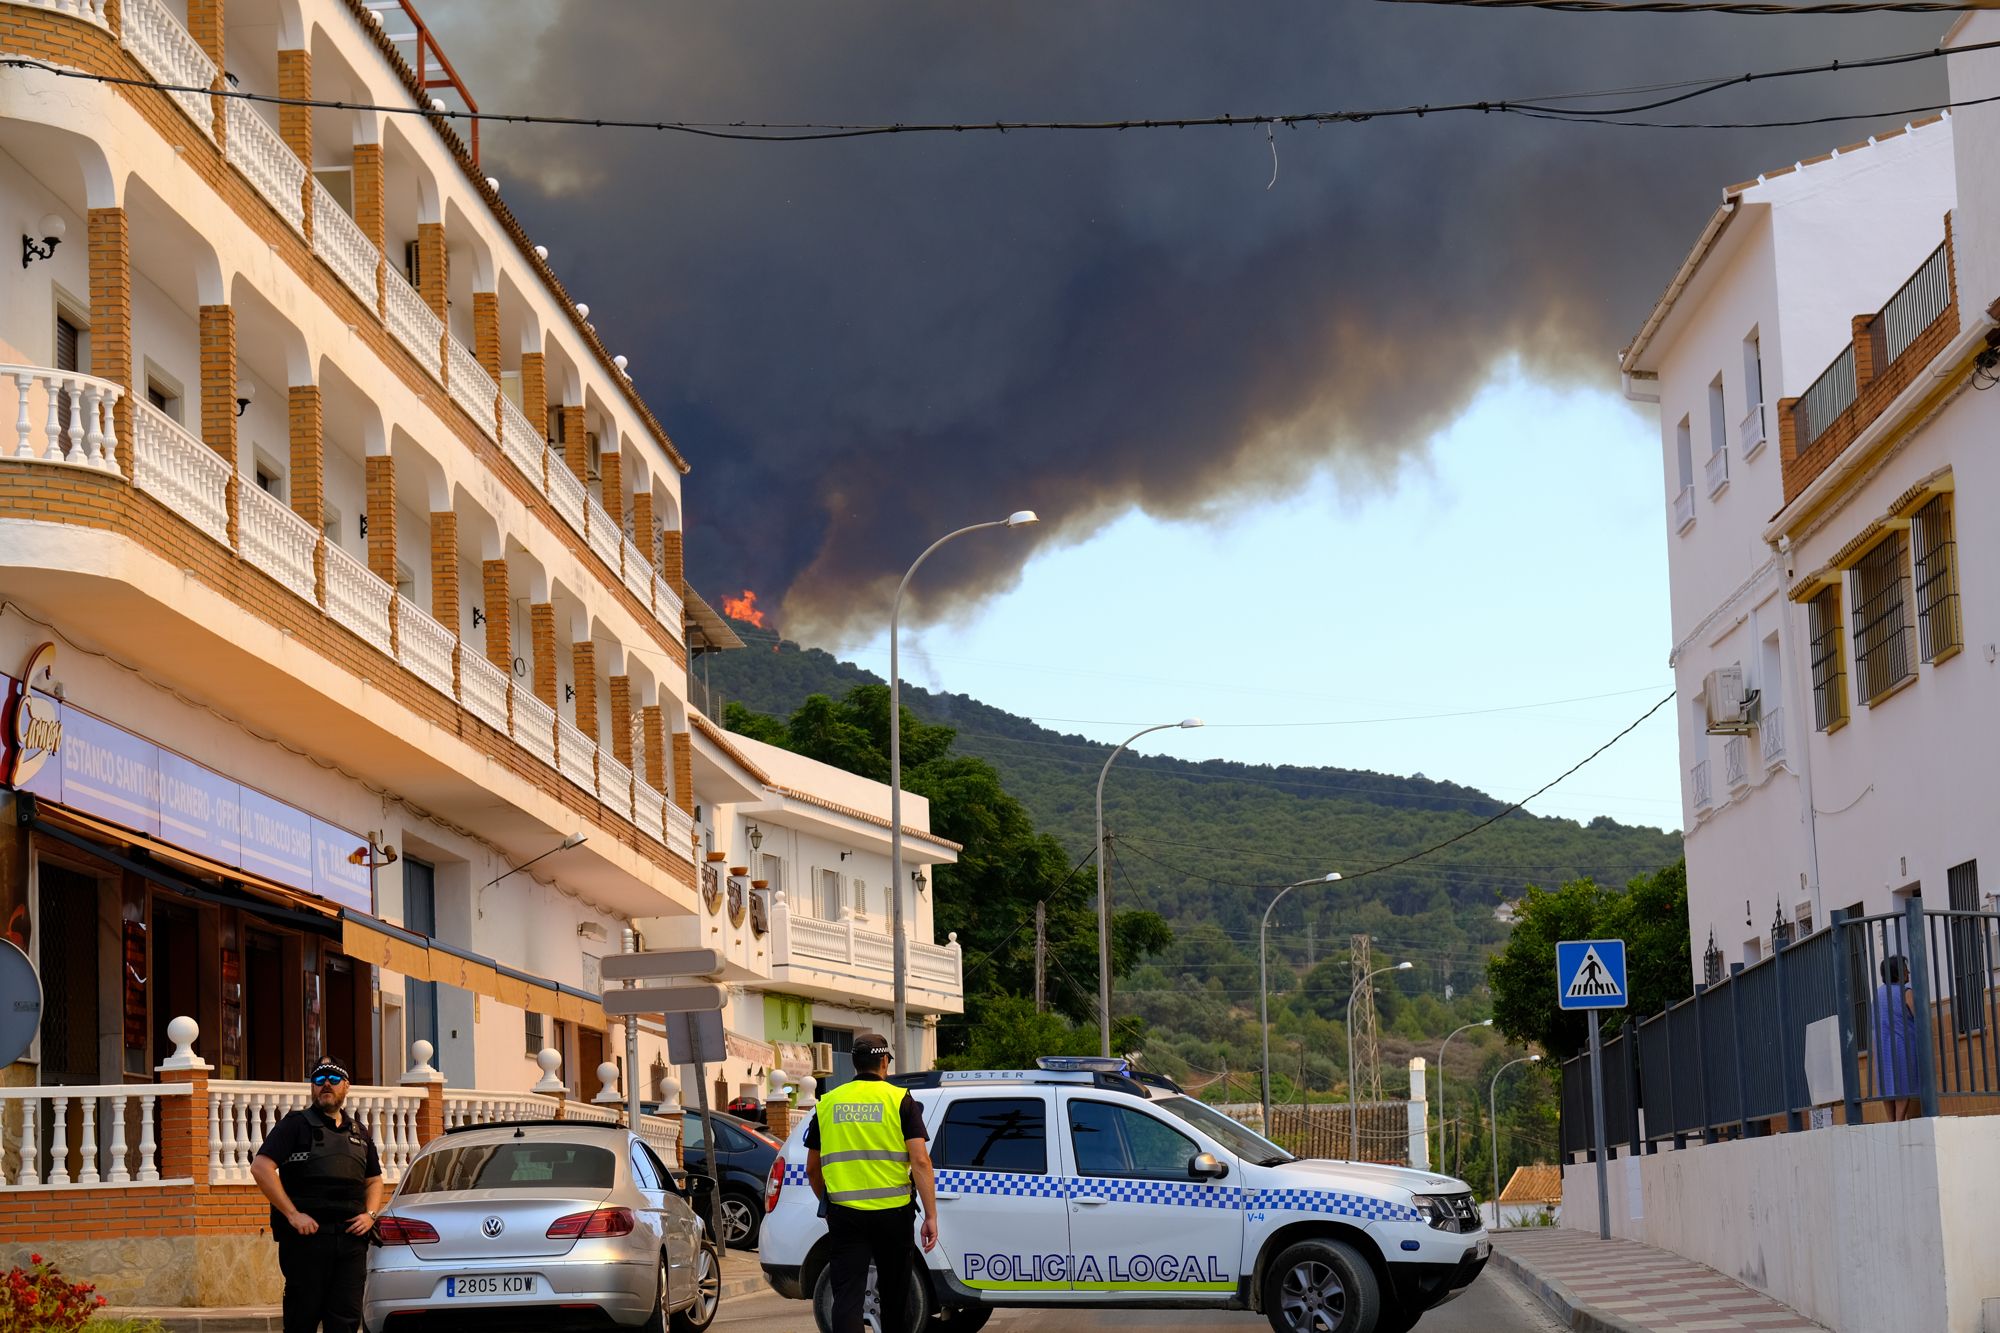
319	1169
865	1150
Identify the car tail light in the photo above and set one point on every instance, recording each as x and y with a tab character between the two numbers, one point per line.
777	1184
597	1222
405	1231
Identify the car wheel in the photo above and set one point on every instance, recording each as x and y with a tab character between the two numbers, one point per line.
708	1293
967	1318
656	1322
920	1307
1321	1286
742	1218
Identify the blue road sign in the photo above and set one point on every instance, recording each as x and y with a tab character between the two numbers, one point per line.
1590	974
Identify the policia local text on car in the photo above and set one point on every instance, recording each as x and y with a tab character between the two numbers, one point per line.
319	1169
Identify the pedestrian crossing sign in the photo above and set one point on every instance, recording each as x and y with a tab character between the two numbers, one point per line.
1590	974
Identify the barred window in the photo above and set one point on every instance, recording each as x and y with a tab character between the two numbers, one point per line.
1938	629
1882	658
1829	676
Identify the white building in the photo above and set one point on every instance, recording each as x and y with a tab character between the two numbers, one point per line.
1778	512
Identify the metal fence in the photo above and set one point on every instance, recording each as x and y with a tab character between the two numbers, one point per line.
1320	1129
1897	1008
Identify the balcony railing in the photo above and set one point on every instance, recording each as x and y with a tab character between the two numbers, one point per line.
482	687
648	808
339	240
255	149
667	604
191	478
63	417
602	533
1914	308
111	1131
1830	395
91	11
535	726
680	830
424	646
1736	762
576	755
1703	797
357	598
1718	471
614	783
566	492
638	571
1751	434
415	324
1771	736
157	40
471	387
276	540
522	442
1684	509
848	947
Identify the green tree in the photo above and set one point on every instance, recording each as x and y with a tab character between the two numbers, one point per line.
1649	914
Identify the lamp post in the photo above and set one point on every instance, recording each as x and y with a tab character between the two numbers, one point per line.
1264	982
1493	1124
1353	1103
898	1040
1103	899
1482	1023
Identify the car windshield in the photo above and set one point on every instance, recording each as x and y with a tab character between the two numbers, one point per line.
511	1165
1245	1143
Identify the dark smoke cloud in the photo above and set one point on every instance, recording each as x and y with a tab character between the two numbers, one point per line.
861	344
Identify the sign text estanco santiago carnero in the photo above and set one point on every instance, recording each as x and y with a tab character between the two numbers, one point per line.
1151	1269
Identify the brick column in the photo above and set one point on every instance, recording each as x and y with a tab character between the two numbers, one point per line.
218	394
295	122
576	443
542	633
111	315
535	391
621	719
779	1116
499	621
653	726
430	1115
205	26
1862	331
486	331
670	559
642	526
611	465
431	267
370	213
583	671
308	479
379	471
684	771
444	569
183	1139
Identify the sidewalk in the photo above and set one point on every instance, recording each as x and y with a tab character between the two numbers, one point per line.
1621	1286
741	1276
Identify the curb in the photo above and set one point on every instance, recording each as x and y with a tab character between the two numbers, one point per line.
1569	1308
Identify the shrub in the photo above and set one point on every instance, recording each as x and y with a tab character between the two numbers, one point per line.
39	1299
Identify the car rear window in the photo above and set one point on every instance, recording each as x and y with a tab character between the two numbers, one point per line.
994	1134
499	1166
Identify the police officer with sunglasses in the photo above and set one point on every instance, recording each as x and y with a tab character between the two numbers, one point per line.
319	1169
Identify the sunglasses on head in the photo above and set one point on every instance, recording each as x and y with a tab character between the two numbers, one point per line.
321	1080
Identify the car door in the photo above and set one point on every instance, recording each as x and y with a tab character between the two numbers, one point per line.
1139	1222
663	1213
1002	1215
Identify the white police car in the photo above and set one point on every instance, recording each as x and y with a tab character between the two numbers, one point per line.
1078	1184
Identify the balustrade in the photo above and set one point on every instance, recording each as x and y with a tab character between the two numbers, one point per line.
188	477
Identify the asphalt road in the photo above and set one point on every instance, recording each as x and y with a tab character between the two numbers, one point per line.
1495	1304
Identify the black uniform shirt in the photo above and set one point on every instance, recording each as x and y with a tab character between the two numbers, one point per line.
291	1140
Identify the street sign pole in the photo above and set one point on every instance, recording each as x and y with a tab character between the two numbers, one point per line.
631	941
1597	1123
712	1146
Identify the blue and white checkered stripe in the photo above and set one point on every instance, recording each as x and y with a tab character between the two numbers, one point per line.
1003	1183
1163	1193
1332	1201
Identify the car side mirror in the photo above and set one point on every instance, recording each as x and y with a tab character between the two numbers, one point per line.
1207	1166
698	1186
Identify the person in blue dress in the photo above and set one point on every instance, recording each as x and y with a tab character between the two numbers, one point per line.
1894	1050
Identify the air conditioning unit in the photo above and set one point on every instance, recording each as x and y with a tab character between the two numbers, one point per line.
1732	710
822	1058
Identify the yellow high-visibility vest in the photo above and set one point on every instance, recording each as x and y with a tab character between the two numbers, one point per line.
863	1156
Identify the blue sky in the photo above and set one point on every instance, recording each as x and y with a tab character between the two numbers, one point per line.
1521	562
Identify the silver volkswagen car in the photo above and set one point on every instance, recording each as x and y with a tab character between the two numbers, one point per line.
548	1223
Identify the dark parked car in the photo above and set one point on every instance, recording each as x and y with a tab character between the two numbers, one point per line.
743	1171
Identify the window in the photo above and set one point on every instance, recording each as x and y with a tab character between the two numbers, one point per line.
493	1166
1882	619
1120	1141
1008	1134
827	906
330	524
1968	956
643	1173
536	1035
1829	676
860	897
420	917
771	869
1938	630
69	344
1718	419
1684	452
1753	395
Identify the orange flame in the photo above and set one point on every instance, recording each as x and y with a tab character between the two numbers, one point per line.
743	608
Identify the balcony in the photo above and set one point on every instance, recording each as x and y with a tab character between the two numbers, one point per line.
471	387
1684	509
415	324
1717	469
255	149
339	240
1736	762
1750	436
157	41
1771	736
848	960
62	417
1704	799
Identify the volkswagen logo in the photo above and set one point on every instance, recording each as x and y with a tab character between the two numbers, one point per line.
492	1226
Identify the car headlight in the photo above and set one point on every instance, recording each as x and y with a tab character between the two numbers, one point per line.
1436	1210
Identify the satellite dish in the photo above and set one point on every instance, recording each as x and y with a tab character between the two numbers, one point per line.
20	1003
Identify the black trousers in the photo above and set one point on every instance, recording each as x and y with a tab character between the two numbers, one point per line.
324	1274
858	1237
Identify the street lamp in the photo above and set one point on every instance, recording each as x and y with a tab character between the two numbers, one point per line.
1493	1124
1019	518
1103	900
1482	1023
1264	982
1353	1104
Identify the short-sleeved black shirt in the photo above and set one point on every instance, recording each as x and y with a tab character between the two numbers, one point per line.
913	1120
294	1135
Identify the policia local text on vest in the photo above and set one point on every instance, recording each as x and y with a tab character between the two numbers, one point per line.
868	1162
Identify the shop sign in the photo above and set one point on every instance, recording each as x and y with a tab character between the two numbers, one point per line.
749	1049
77	760
796	1059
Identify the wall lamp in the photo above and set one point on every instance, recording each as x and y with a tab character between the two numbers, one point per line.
478	617
917	878
756	837
569	694
246	393
569	841
52	228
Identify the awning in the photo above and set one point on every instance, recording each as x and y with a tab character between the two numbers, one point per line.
421	958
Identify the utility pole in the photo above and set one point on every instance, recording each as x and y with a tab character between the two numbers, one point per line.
1312	944
1367	1071
1042	957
